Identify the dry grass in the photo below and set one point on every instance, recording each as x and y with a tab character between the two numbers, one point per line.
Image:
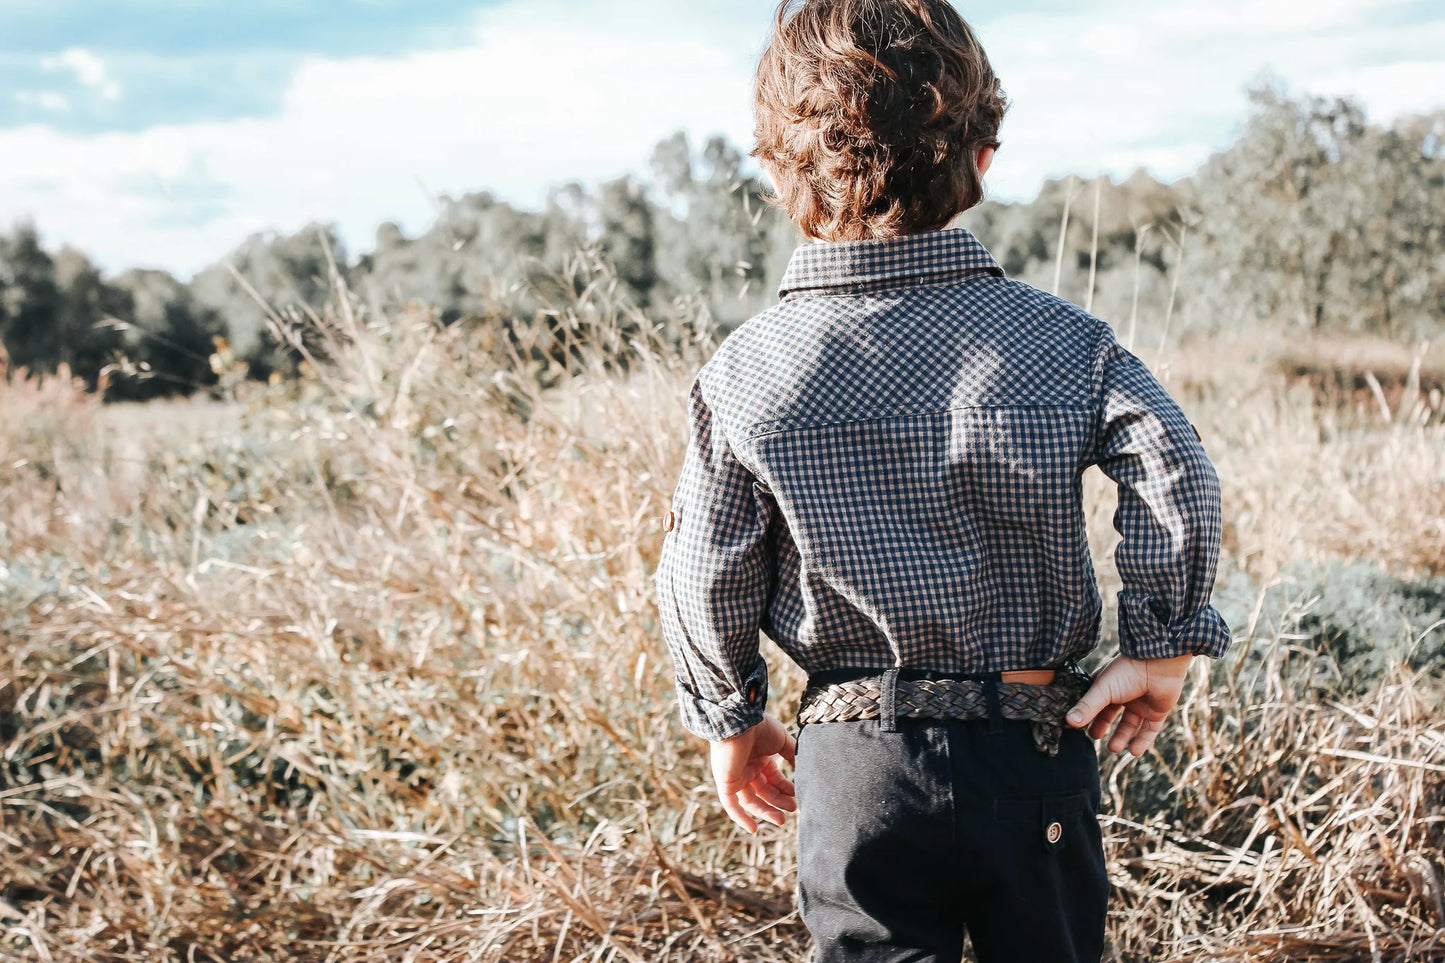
1311	474
374	674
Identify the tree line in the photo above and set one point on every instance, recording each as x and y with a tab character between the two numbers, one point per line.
1312	218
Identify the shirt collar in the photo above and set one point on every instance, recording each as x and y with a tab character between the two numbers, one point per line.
947	254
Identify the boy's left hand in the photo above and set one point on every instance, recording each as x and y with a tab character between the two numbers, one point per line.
749	782
1142	691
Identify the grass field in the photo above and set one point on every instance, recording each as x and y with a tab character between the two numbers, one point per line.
366	667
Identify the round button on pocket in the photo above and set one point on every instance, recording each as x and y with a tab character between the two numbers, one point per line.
1054	833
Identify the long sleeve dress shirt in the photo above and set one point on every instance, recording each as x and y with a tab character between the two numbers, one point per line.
884	470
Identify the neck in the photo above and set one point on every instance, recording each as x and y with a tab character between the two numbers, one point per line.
955	221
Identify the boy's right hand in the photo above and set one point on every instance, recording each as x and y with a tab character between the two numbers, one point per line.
1143	690
749	783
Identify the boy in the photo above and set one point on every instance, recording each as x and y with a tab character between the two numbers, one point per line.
883	475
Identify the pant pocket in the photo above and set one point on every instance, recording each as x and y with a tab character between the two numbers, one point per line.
1045	893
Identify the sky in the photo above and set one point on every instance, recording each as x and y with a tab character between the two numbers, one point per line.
161	133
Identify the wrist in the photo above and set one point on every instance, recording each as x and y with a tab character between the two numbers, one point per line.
1162	660
1171	660
748	733
1172	667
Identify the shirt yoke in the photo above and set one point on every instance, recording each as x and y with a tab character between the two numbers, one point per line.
984	341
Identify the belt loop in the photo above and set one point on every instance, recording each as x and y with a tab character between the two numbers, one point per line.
887	709
995	710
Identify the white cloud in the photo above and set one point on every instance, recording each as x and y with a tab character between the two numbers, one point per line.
540	97
1162	85
89	70
1407	87
44	99
551	90
1267	19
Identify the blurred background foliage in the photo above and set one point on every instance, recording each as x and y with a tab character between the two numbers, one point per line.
1313	219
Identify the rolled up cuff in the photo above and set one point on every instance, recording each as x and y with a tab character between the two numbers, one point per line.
734	715
1143	636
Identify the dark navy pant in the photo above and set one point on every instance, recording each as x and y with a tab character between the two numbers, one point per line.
909	838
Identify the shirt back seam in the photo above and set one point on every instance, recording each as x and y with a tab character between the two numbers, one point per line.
755	431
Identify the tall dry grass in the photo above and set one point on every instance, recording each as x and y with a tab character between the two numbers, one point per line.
367	668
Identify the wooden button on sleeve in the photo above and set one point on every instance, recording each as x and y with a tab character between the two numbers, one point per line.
668	521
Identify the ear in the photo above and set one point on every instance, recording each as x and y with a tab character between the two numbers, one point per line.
985	158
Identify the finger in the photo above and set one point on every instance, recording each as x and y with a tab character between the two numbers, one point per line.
1100	726
1128	727
779	781
1113	686
763	809
1091	703
1148	732
775	797
790	751
771	779
738	815
759	808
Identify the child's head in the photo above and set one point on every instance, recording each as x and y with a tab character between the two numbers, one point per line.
874	117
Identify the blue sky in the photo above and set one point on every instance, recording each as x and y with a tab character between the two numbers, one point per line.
164	61
162	132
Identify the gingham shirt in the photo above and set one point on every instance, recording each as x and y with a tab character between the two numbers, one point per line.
884	469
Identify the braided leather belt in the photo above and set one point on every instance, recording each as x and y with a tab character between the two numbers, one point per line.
1043	705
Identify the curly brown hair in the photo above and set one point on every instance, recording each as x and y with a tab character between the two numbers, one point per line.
871	114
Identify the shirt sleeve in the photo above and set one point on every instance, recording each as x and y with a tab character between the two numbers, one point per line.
1169	515
714	580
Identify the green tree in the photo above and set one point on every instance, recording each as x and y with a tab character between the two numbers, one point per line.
29	302
168	338
269	273
88	310
629	235
1396	272
715	236
1316	217
479	253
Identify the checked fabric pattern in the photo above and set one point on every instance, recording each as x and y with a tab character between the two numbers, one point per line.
884	470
